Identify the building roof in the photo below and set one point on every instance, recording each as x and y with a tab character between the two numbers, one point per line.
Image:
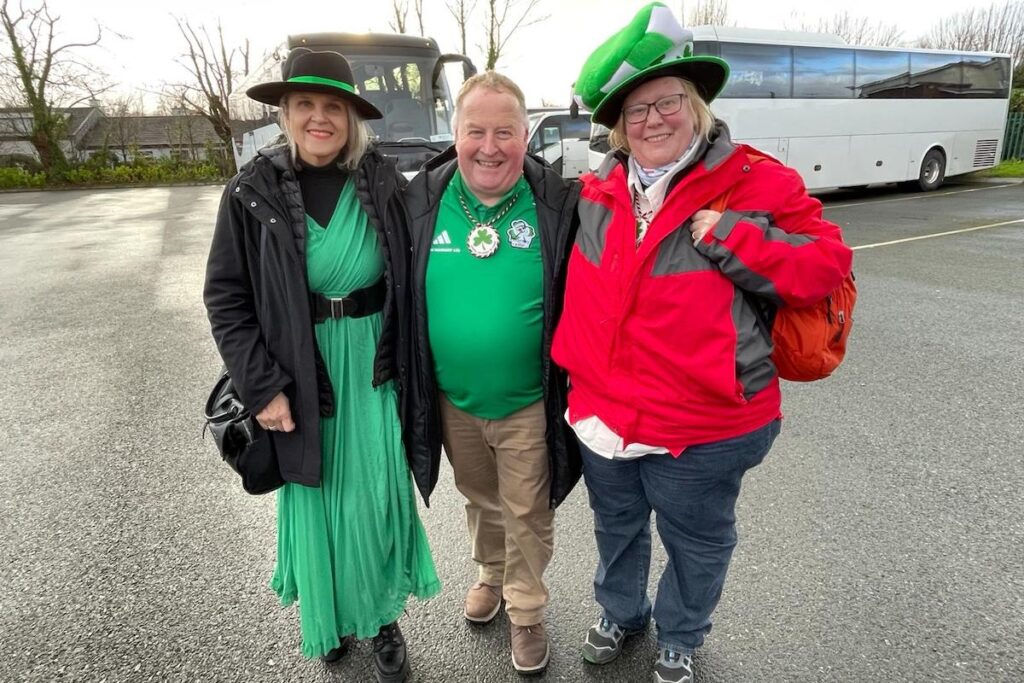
153	131
16	122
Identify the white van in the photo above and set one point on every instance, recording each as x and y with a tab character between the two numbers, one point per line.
561	139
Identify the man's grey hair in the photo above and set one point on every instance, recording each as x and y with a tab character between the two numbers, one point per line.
492	80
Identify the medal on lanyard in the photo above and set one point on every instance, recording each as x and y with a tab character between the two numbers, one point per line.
483	240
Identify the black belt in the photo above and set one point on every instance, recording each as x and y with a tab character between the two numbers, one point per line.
357	304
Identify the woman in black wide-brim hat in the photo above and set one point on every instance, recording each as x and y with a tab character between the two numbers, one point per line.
305	291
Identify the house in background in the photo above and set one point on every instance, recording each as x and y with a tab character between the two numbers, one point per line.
16	129
90	132
186	137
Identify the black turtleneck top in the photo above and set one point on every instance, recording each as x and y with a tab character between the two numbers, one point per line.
321	187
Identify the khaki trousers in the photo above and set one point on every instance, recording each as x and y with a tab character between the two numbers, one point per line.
501	467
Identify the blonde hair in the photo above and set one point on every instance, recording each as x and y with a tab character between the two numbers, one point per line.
703	119
492	80
355	146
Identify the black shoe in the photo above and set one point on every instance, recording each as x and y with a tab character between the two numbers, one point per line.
389	655
338	652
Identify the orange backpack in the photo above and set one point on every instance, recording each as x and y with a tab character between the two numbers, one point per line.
809	341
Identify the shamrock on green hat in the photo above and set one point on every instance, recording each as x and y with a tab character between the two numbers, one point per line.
652	45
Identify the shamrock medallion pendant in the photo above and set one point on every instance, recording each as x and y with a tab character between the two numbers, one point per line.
482	240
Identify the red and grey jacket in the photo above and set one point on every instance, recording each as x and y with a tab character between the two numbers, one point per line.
667	342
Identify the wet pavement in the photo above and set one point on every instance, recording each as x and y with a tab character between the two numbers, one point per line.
881	539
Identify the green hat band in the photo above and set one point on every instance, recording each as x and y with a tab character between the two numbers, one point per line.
323	81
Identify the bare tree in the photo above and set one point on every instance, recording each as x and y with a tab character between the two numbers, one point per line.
172	101
856	30
46	77
502	18
401	11
709	13
996	28
461	11
417	6
123	124
214	70
181	134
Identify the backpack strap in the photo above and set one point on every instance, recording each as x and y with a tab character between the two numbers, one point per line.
720	202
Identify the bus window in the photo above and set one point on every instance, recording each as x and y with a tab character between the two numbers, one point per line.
396	88
881	74
987	77
706	47
822	72
934	75
758	70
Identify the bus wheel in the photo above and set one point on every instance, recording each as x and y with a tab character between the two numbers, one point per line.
933	171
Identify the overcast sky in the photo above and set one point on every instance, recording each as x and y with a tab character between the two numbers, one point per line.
544	58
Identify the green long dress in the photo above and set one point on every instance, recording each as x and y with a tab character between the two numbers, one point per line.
354	549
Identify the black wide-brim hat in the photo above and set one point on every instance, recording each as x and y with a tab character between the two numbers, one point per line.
321	72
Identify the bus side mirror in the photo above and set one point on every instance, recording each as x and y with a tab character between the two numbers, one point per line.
468	68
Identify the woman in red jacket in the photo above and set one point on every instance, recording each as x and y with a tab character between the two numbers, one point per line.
664	335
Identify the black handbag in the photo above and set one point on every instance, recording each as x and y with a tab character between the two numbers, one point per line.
243	444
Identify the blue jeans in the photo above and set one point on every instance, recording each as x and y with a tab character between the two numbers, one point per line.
694	496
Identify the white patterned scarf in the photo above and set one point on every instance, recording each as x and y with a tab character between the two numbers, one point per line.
648	186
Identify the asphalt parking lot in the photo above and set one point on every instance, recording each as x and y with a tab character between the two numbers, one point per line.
881	539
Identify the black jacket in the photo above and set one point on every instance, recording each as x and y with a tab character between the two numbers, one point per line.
257	296
556	200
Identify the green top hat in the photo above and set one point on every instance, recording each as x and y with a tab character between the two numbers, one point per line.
652	45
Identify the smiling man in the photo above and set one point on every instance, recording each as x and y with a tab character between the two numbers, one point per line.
492	228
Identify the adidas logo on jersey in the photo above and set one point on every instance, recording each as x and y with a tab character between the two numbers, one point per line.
443	244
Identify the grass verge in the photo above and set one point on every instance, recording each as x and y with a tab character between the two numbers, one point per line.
1013	168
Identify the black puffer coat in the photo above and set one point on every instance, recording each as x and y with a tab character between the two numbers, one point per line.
257	296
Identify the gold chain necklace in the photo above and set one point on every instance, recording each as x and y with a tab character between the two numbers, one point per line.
483	239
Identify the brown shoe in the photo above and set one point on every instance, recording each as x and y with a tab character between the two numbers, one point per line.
529	648
482	603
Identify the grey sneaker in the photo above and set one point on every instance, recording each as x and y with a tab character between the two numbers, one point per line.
673	667
604	641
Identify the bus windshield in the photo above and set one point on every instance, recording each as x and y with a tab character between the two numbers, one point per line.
400	75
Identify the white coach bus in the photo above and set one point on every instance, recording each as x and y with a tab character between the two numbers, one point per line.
845	116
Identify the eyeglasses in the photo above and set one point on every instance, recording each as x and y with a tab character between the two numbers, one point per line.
638	113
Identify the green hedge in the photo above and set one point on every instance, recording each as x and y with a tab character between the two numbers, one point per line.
1017	100
145	174
12	177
